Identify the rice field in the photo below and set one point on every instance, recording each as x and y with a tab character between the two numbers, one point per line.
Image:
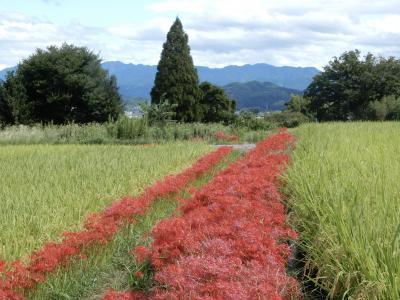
48	189
345	201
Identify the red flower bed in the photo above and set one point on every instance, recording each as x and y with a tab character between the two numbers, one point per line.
222	136
99	228
229	242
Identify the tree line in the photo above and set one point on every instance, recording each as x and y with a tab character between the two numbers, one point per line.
352	87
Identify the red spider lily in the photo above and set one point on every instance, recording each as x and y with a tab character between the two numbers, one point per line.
222	136
99	228
126	295
138	274
141	253
227	244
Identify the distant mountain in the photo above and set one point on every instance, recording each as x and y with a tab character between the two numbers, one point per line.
133	80
260	95
137	80
289	77
278	82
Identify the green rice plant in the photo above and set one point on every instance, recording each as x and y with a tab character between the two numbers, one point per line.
48	189
345	201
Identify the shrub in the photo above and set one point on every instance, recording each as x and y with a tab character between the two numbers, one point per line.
286	119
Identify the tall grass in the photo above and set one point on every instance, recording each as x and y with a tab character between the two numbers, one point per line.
345	197
47	189
122	131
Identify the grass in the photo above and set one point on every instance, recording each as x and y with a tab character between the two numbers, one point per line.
345	201
112	266
122	131
48	189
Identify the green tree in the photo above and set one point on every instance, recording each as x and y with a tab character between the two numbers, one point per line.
349	83
5	111
15	98
62	84
216	104
298	104
176	78
388	108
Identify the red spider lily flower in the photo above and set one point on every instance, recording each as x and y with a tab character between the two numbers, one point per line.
126	295
141	254
222	136
138	275
228	243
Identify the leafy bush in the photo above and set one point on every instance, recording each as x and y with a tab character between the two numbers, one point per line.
388	108
286	119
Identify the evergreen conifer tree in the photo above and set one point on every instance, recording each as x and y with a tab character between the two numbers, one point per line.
176	79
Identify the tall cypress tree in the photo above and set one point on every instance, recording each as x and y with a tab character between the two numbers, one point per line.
176	79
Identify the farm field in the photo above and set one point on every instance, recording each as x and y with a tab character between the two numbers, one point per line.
341	181
46	190
345	201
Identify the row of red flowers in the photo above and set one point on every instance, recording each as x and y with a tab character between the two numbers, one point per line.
222	136
229	242
99	228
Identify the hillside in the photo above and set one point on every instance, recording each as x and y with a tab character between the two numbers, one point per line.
260	95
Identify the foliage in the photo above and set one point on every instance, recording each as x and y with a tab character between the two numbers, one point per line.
61	85
344	190
159	113
176	78
127	129
388	108
299	104
248	119
205	253
16	104
5	111
286	119
348	84
217	107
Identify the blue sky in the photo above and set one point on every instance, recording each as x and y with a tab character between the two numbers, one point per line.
221	32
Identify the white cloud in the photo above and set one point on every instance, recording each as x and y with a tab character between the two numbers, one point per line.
287	32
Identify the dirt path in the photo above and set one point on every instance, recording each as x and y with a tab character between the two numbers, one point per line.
239	147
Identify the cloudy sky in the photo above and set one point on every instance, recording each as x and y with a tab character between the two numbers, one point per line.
221	32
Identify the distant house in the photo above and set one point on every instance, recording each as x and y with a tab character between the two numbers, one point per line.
136	112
